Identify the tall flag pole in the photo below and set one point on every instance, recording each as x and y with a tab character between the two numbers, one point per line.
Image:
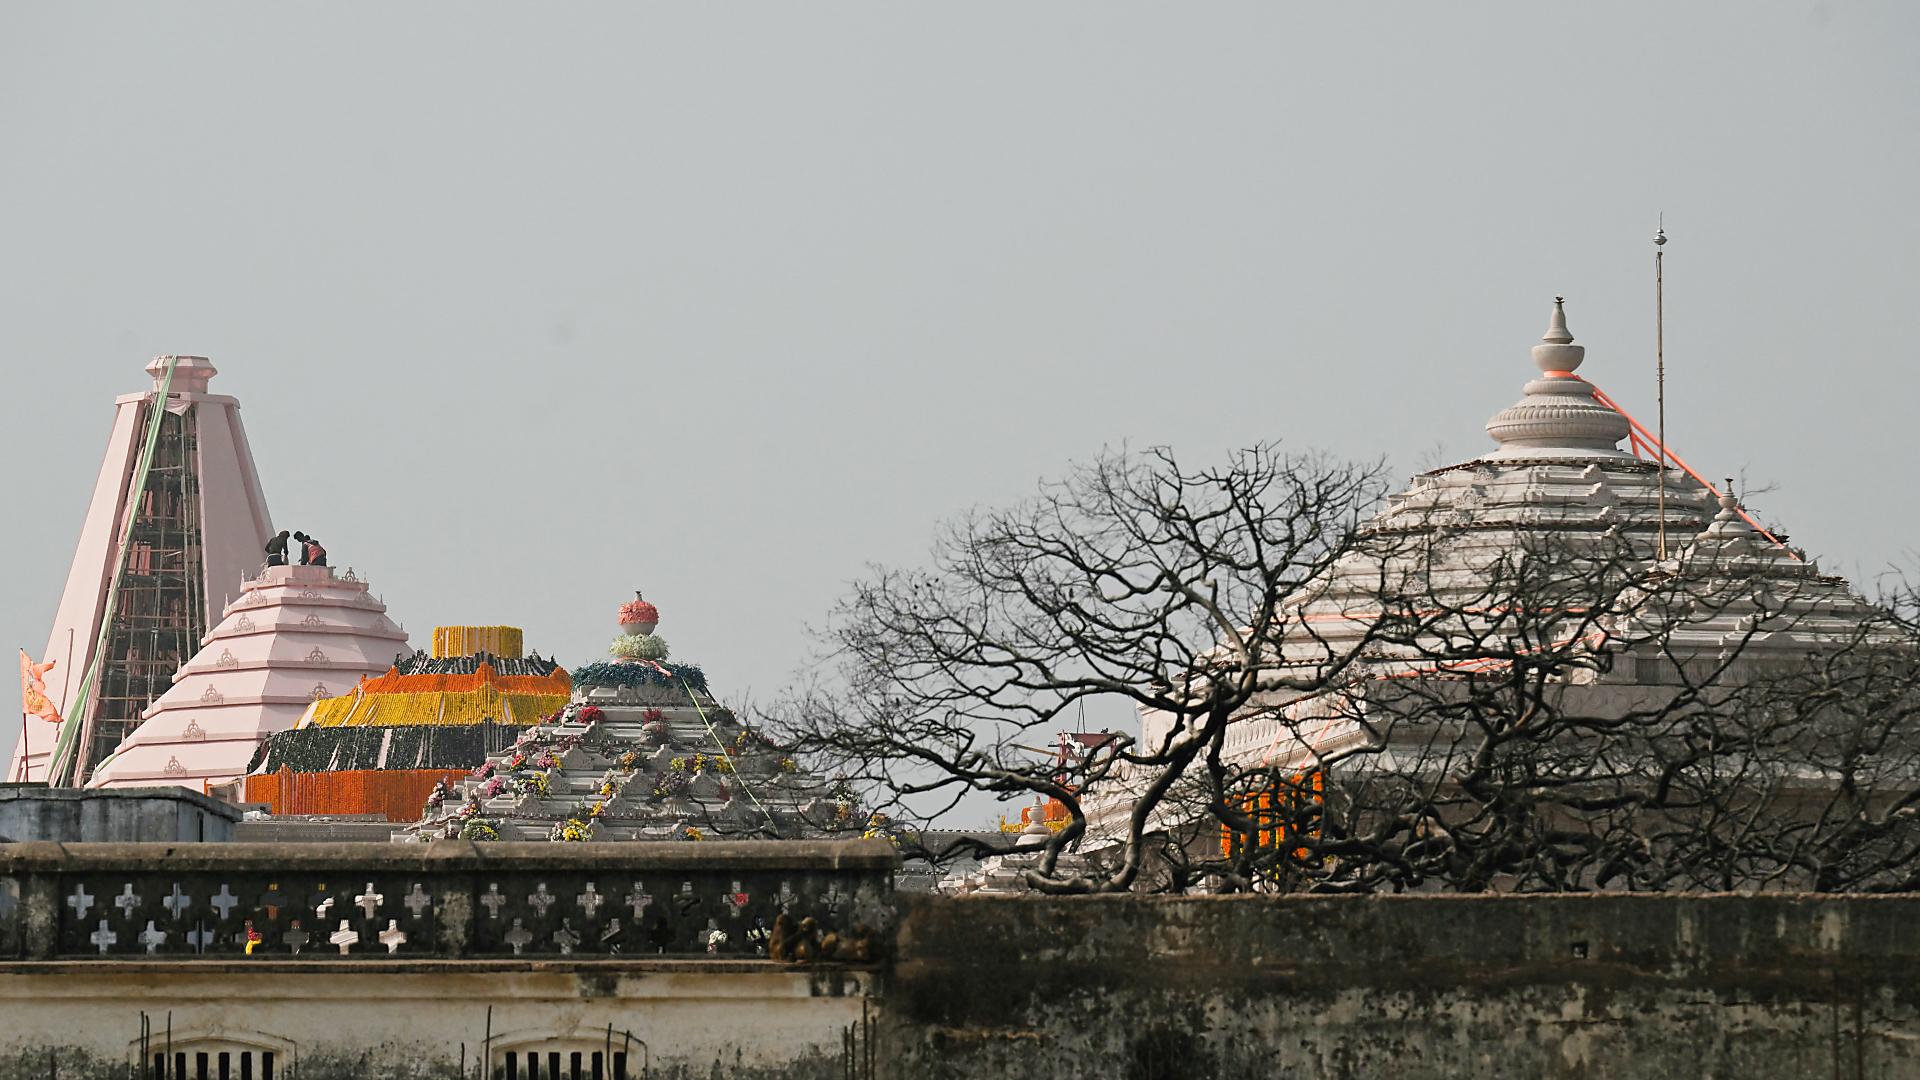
1660	368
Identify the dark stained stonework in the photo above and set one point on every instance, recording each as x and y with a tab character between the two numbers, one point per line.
31	812
1405	987
451	900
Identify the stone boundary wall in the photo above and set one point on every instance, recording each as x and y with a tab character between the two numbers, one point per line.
134	815
1596	986
446	900
1141	988
451	960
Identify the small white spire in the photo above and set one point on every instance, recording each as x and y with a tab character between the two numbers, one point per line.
1557	332
1729	523
1557	355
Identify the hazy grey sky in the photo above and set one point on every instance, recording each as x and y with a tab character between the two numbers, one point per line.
528	305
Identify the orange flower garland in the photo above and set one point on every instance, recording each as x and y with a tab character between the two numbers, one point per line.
394	699
397	794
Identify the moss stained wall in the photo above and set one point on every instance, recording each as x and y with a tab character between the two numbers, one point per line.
1407	987
1700	987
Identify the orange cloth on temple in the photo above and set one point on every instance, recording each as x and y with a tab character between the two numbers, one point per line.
33	689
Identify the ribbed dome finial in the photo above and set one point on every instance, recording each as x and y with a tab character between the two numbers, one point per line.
1559	414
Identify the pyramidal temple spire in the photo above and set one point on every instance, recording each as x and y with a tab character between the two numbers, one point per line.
177	518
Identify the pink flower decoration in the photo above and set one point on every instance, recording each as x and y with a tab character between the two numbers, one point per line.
639	611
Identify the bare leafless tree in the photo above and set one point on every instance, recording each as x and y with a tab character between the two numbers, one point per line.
1332	705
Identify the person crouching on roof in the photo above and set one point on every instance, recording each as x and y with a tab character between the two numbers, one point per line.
277	549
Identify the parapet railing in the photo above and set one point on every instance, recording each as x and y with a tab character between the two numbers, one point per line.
442	901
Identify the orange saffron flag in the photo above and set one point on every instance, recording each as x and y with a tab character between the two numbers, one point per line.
33	689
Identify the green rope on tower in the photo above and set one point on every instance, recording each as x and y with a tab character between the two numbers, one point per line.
737	777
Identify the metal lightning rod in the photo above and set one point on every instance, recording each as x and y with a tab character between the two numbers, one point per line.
1660	369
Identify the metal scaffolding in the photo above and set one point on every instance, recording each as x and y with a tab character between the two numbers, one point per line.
161	614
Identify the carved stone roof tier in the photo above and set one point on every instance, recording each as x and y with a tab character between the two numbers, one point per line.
295	634
1763	602
1559	477
656	762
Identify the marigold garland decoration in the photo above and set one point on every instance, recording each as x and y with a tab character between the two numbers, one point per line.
639	611
451	641
396	794
394	699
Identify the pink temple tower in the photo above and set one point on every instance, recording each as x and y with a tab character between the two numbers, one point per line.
296	634
176	523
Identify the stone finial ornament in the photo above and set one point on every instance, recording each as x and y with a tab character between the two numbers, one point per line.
1729	524
1559	416
1557	354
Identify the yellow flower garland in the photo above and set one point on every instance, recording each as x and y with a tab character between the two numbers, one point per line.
454	709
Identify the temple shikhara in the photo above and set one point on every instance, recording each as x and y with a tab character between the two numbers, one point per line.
176	523
180	657
1559	485
642	751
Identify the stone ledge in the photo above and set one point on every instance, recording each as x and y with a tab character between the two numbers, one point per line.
333	968
40	793
453	856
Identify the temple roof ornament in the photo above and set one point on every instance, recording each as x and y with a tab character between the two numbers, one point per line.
1728	524
190	373
1559	416
637	616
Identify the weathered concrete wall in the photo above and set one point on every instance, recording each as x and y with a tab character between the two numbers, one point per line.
428	1020
125	815
504	961
1407	987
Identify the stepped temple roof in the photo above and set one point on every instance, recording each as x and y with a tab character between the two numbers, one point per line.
295	634
382	747
1558	478
1557	475
643	752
